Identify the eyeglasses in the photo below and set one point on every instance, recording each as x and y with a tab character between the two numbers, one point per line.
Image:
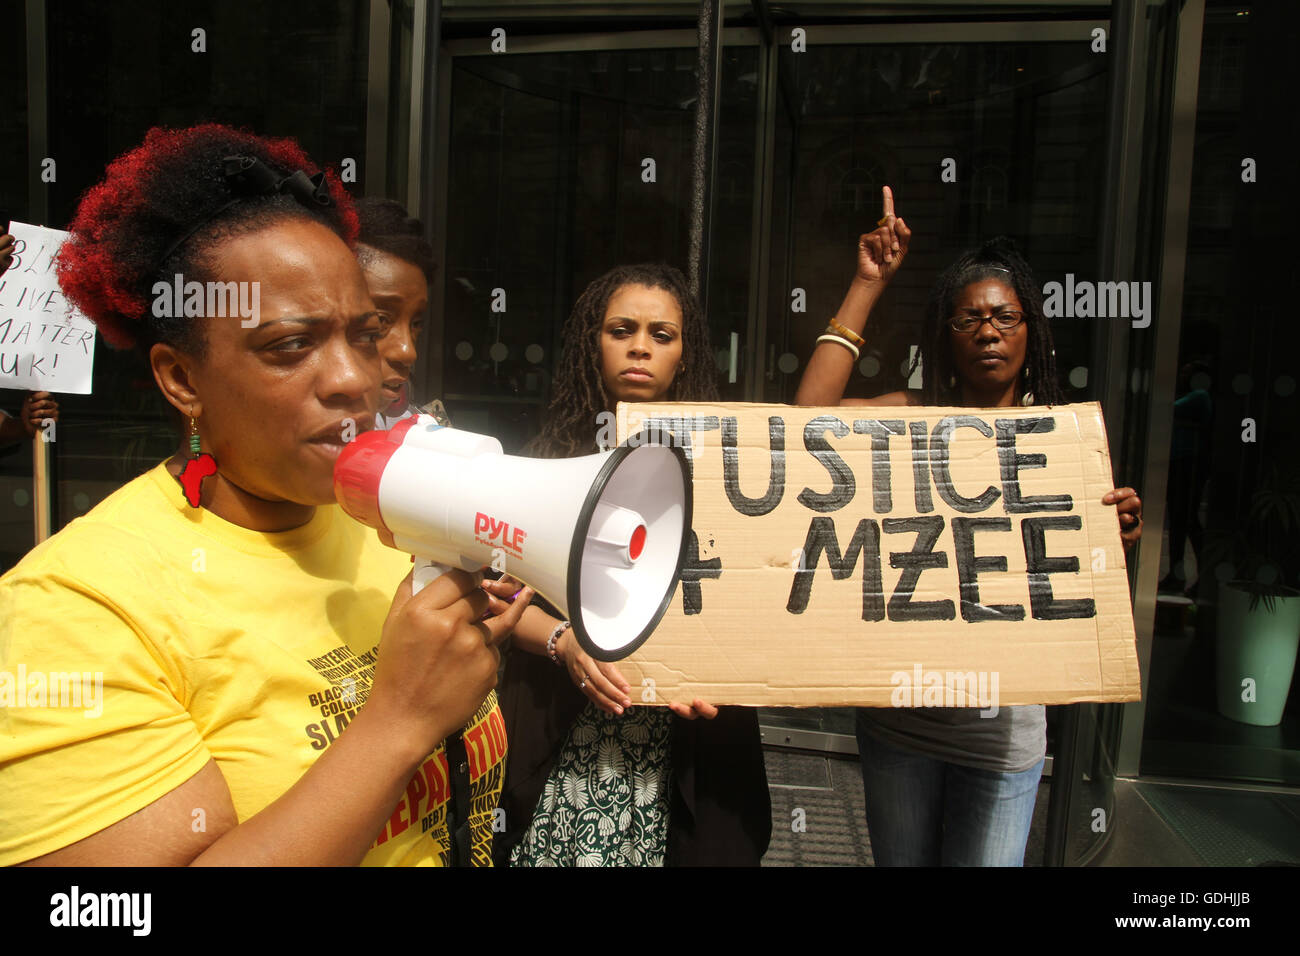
1002	321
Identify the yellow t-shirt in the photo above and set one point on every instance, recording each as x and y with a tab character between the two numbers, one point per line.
147	637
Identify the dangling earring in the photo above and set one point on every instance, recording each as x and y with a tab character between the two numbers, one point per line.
1028	396
199	466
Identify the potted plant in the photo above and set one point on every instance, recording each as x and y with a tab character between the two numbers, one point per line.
1259	605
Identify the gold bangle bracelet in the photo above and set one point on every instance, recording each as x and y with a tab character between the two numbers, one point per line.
836	329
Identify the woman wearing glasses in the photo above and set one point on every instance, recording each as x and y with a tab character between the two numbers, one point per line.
945	786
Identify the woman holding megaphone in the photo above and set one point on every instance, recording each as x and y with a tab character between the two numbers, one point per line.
594	779
946	786
258	694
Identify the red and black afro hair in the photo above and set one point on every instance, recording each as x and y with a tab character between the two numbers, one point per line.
150	198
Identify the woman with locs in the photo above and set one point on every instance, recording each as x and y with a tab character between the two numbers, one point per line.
594	779
945	786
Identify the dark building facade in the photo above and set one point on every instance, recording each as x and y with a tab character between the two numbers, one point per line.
1134	141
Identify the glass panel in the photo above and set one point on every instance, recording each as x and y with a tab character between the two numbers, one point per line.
734	232
115	70
1090	793
837	11
780	361
592	9
14	170
400	52
16	528
548	188
584	9
1021	122
1221	702
1085	797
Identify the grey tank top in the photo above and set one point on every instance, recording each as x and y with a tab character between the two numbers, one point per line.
1011	742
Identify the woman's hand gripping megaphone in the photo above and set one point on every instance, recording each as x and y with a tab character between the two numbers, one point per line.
438	656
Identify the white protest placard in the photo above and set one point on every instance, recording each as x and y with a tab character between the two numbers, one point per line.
45	343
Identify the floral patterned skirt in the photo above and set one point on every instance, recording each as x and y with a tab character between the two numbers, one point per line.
606	800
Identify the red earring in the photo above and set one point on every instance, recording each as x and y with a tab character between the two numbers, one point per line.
199	466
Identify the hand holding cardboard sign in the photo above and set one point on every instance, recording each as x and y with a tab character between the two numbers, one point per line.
698	708
1129	506
603	684
608	689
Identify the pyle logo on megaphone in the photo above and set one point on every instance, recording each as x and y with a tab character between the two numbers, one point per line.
607	533
510	541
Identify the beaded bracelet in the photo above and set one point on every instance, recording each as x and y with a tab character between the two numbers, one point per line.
845	331
550	642
839	340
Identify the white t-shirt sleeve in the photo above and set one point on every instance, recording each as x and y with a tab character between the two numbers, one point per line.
385	422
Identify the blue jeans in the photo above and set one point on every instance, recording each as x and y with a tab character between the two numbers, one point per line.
922	811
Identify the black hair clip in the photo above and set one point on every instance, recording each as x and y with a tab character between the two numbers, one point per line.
249	176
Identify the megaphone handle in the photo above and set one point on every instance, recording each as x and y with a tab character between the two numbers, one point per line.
426	572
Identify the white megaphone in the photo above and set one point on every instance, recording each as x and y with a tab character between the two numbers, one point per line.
601	537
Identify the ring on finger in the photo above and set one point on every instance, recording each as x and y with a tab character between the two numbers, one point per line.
583	685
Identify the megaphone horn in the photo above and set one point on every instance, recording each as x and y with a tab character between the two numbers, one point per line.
602	537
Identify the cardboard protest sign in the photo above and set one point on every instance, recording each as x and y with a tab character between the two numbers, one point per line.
45	344
884	556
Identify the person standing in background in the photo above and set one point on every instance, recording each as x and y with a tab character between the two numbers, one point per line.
945	786
593	779
397	262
